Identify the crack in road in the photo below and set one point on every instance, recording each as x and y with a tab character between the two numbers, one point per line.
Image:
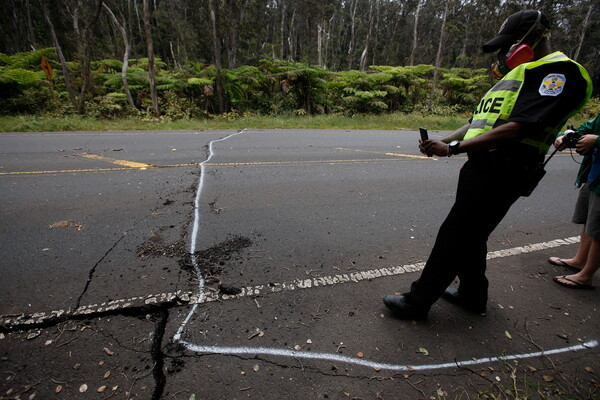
160	379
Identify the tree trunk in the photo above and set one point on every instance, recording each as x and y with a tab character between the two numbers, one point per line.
413	50
584	27
63	62
363	56
217	60
282	30
151	69
85	50
122	28
353	6
438	56
291	45
320	44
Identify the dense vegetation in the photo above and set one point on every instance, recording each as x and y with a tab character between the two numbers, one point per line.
192	59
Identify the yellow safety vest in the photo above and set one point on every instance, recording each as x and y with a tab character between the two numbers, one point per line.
497	105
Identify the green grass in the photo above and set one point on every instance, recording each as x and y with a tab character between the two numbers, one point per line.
396	121
375	122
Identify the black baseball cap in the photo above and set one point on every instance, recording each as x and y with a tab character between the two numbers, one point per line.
514	28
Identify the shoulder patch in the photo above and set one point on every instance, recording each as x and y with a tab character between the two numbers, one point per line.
552	85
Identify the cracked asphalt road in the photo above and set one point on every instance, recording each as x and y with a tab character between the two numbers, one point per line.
304	226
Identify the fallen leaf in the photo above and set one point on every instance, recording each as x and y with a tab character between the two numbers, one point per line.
423	350
441	393
101	389
309	341
360	354
33	335
48	342
59	224
192	397
256	368
58	389
83	388
406	376
297	347
109	352
507	334
106	374
483	373
115	388
32	396
589	369
532	369
377	369
548	378
408	367
100	363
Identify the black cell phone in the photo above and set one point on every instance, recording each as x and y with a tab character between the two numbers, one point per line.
423	132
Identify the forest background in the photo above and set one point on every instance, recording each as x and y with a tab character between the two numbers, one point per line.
205	59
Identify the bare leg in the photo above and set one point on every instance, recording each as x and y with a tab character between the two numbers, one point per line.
580	259
586	275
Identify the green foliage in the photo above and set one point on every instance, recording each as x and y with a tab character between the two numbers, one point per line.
302	86
27	60
110	106
23	85
464	87
19	76
273	87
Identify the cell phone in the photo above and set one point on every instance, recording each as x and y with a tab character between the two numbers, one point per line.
424	135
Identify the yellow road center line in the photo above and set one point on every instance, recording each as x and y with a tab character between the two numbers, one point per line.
386	154
125	163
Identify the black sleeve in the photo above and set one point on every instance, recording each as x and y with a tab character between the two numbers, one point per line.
542	105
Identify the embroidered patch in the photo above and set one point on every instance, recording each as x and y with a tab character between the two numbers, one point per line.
553	85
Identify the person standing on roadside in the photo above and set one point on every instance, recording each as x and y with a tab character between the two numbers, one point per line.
587	208
506	140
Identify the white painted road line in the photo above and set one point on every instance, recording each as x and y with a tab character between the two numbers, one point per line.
266	351
189	297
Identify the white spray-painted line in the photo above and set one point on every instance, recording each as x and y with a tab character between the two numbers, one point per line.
342	278
195	231
267	351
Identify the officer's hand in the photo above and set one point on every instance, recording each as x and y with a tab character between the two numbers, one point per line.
433	148
558	143
586	144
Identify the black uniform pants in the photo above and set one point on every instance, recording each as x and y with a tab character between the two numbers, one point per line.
482	201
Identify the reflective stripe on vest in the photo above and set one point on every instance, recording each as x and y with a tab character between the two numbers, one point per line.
497	105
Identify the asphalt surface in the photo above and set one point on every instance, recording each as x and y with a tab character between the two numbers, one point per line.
296	236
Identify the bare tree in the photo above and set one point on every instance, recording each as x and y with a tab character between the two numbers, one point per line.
584	27
413	50
61	57
151	68
353	6
363	56
438	56
123	28
217	57
88	14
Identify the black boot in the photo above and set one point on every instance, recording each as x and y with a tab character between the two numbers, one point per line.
452	296
403	309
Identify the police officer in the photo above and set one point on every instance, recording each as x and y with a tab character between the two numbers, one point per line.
508	136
